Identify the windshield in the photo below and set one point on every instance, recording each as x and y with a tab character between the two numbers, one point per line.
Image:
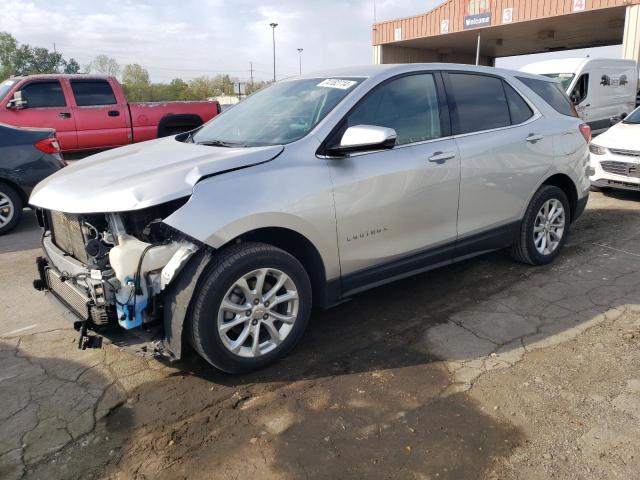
633	117
564	78
5	87
281	113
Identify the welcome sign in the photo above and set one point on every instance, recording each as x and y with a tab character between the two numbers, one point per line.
477	20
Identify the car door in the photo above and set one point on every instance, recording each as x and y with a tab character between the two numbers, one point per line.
101	120
47	107
396	209
505	146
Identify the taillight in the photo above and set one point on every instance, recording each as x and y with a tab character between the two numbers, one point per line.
585	130
48	145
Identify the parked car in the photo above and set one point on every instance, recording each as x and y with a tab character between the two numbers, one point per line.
308	192
90	112
615	155
27	156
602	89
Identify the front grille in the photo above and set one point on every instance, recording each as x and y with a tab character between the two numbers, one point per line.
70	295
618	168
67	235
626	153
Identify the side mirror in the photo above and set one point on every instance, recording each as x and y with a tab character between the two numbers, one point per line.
17	102
363	138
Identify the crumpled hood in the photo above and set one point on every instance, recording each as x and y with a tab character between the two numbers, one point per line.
140	175
623	136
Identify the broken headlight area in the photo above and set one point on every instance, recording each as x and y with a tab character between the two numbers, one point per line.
113	267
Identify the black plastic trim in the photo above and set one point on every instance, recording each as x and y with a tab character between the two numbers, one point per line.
581	205
430	259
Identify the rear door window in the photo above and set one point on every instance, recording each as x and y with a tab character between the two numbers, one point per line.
93	93
479	102
43	94
552	93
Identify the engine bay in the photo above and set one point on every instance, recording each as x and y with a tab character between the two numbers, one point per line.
112	267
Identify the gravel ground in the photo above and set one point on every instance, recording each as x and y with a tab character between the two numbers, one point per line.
487	369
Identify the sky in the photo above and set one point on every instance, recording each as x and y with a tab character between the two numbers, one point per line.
191	38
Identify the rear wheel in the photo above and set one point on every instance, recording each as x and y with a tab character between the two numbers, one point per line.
11	206
251	308
544	228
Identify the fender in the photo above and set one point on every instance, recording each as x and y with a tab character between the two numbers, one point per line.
177	301
226	206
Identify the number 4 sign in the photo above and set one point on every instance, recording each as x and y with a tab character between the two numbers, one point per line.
579	5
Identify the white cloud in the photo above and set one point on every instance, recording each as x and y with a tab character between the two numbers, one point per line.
195	37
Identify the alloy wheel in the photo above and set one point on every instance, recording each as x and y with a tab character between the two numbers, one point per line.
6	209
549	226
258	312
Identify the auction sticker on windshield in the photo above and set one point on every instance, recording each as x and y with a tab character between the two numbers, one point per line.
337	83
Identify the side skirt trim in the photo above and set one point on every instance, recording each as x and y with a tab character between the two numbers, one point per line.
462	249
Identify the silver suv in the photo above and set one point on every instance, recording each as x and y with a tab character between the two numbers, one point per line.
305	194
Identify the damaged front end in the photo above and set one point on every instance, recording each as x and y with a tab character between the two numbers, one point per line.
112	268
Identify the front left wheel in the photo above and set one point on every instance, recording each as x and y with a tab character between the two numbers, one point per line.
251	308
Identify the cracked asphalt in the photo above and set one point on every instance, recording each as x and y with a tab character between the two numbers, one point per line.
487	369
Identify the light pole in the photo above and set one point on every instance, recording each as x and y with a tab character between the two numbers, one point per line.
300	55
273	33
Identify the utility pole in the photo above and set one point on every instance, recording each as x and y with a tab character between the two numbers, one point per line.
300	55
54	47
273	33
251	70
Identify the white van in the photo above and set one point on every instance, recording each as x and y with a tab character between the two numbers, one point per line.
602	89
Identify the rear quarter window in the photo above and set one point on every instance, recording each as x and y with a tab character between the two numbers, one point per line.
552	93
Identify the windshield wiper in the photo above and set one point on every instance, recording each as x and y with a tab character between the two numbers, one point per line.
220	143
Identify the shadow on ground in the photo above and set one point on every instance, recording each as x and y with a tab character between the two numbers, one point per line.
366	393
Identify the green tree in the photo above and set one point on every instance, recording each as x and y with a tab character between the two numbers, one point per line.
104	65
135	81
8	46
255	86
202	88
71	66
16	59
43	61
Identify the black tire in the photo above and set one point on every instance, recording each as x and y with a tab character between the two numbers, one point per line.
16	206
220	275
524	249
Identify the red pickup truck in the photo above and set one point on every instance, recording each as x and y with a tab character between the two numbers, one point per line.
90	112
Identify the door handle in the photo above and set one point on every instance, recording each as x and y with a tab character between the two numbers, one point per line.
533	138
64	115
441	157
114	113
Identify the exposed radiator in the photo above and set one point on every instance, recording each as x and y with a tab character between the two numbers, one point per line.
68	236
70	295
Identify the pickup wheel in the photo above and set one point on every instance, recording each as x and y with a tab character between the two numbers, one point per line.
544	228
11	206
251	308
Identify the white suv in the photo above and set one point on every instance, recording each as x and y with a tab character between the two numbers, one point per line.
308	192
